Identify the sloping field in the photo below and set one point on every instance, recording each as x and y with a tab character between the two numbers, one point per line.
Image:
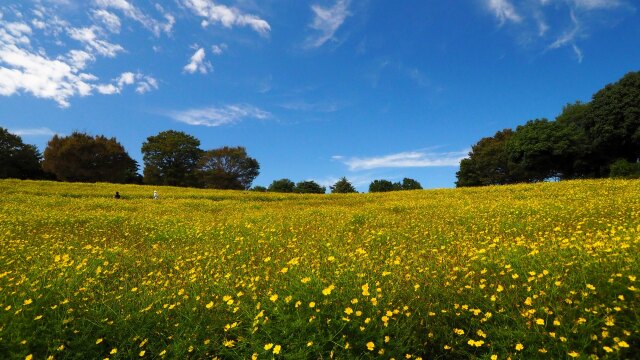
530	271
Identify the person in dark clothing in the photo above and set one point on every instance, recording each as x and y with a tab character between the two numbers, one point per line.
117	195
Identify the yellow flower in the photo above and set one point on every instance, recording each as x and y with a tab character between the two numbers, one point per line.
28	357
348	311
276	349
623	344
114	351
519	347
328	290
98	341
607	349
254	356
573	354
365	290
494	357
273	297
209	305
268	346
141	354
28	301
539	321
371	346
312	304
458	331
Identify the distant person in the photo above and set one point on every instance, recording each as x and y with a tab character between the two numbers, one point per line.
117	195
155	195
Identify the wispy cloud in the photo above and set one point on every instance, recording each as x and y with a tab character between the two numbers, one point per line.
326	22
322	107
504	11
409	159
131	11
219	116
42	131
198	63
227	16
572	20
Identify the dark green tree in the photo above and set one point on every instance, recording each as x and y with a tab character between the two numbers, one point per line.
81	157
382	186
342	186
228	168
309	187
171	158
488	162
410	184
17	159
259	188
625	169
282	186
612	124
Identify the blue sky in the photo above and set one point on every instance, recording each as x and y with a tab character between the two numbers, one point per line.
315	90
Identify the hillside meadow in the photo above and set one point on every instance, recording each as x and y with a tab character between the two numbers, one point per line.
548	270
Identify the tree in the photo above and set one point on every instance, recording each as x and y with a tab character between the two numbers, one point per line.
612	124
81	157
228	168
17	159
342	186
381	186
282	186
171	158
258	188
309	187
488	162
410	184
624	169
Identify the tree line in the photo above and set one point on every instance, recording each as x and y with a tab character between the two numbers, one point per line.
597	139
171	158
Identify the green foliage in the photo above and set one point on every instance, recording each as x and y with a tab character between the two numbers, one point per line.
410	184
282	186
17	159
228	168
625	169
171	158
382	186
80	157
488	162
309	187
342	186
258	188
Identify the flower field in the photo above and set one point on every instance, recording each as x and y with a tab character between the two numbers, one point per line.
548	270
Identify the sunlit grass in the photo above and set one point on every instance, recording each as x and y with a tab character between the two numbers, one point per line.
528	271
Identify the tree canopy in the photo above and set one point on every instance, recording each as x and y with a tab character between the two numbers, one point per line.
81	157
171	158
309	187
17	159
228	168
282	186
381	186
342	186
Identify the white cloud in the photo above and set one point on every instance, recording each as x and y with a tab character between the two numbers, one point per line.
42	131
218	116
218	49
504	11
108	19
136	14
326	22
404	160
90	37
227	16
198	63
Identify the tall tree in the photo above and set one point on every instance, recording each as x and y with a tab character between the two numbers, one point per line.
613	123
81	157
171	158
228	168
17	159
282	186
382	186
488	162
309	187
342	186
410	184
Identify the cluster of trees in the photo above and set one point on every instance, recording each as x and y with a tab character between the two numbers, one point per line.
597	139
342	186
170	158
386	185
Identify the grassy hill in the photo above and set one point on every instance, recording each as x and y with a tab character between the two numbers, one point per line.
528	271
